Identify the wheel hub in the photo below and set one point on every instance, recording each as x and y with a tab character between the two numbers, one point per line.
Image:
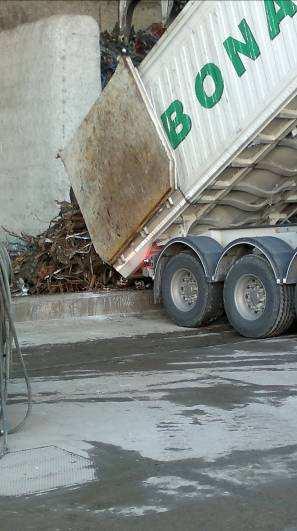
184	289
250	297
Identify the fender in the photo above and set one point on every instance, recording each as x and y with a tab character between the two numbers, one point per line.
276	251
291	274
205	248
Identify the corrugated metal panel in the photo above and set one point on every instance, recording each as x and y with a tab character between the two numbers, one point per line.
247	102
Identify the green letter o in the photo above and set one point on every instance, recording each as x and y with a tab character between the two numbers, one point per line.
210	69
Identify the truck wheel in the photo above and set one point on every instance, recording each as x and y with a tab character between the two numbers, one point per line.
187	296
256	306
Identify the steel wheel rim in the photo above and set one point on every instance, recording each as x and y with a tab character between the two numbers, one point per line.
184	289
250	297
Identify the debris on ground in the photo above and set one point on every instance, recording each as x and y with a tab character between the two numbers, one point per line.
63	259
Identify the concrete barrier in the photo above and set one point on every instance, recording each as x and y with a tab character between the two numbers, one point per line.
78	305
49	79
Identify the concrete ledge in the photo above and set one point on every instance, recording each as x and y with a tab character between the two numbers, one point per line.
77	305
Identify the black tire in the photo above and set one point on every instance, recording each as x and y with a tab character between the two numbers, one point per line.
277	312
295	301
209	304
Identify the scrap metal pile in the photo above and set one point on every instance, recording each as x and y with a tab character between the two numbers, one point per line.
62	259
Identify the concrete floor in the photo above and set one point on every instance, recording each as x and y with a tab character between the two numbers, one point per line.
79	330
185	429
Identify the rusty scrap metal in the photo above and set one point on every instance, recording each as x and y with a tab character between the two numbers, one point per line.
137	43
62	259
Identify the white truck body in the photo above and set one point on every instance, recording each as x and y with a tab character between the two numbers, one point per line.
220	91
247	102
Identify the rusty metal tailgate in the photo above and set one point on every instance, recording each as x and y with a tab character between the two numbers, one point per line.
119	163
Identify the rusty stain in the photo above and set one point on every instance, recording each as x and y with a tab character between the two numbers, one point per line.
119	168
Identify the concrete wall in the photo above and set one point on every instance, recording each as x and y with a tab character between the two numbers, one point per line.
105	12
49	78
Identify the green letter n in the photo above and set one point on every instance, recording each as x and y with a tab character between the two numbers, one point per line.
249	48
176	124
274	18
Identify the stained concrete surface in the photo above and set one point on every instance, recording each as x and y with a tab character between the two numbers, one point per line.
69	331
49	80
184	430
70	306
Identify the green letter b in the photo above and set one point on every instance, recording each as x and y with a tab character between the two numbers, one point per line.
176	127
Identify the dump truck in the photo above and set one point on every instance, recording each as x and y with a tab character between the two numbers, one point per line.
185	168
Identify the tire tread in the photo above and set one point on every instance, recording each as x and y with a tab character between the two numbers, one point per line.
214	306
286	312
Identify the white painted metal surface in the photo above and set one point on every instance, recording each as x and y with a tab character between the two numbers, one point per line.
287	234
247	102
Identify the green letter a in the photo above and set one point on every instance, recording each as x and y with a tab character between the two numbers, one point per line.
249	48
176	127
274	18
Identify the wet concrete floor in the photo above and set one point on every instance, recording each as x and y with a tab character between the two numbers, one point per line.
180	431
